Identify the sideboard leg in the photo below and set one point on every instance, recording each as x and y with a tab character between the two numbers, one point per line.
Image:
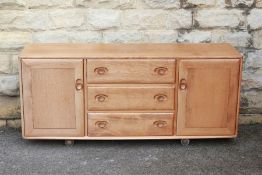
185	142
69	142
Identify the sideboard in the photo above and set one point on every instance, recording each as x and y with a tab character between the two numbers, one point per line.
129	91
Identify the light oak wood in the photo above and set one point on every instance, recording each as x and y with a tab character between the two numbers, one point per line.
238	96
130	71
207	97
52	105
130	124
127	97
132	137
21	97
85	94
209	51
128	90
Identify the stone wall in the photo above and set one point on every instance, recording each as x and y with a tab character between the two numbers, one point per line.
238	22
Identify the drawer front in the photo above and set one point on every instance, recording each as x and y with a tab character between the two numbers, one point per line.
131	71
130	124
131	98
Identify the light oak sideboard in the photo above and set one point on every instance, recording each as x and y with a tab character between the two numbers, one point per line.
129	91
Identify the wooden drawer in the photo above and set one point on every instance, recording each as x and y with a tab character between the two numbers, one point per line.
130	124
131	71
130	97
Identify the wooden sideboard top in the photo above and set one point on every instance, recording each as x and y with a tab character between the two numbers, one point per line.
202	50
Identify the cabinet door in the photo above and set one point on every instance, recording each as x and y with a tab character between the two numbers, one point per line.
53	97
207	97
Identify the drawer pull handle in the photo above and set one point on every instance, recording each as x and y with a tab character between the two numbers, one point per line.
183	84
161	70
101	124
160	97
160	123
79	84
101	70
101	97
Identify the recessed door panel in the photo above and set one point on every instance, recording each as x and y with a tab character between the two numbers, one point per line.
53	106
207	97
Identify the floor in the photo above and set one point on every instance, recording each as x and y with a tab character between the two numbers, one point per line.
165	157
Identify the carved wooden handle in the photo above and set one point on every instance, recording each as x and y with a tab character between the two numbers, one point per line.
160	123
183	84
101	70
160	97
101	124
101	97
161	70
79	84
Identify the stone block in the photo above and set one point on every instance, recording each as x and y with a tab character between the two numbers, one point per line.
207	18
242	3
252	79
12	4
14	40
5	63
7	17
257	39
258	3
66	18
254	60
252	74
14	64
238	39
144	19
9	85
123	37
2	123
162	4
199	3
32	20
14	123
107	4
179	19
162	36
194	37
49	3
253	102
10	106
85	37
250	118
254	19
101	19
51	37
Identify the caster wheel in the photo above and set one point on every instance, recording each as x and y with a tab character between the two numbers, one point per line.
185	142
69	142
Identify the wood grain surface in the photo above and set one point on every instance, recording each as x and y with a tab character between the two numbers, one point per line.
208	105
52	105
130	124
70	51
129	91
131	71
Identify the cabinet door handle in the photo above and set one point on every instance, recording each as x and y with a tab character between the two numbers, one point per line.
101	97
161	70
101	124
183	84
160	97
101	70
160	123
79	84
